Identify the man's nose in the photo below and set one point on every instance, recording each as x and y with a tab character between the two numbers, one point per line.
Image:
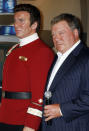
57	37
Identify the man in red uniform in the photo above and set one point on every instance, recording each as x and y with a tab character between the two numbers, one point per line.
24	74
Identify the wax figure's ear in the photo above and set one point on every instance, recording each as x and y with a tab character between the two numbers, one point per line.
34	25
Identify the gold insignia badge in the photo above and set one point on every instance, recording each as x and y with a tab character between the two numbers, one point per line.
23	58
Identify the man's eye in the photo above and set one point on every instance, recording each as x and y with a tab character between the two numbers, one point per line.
61	33
21	20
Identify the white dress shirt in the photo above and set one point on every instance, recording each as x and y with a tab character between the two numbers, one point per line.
59	62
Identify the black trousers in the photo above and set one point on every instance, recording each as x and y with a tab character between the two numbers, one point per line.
6	127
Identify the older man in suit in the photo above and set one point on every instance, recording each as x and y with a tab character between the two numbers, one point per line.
68	79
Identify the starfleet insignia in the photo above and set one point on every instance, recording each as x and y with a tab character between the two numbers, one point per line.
23	58
40	100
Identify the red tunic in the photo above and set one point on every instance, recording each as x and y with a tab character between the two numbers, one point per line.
25	75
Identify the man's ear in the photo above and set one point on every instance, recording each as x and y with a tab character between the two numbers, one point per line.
34	25
76	33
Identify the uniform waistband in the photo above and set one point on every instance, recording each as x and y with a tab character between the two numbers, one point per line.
16	95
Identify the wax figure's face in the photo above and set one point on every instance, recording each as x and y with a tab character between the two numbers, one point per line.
22	24
63	36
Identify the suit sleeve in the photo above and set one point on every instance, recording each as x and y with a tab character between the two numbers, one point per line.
79	106
38	69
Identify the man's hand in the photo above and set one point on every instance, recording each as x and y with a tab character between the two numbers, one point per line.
52	111
28	129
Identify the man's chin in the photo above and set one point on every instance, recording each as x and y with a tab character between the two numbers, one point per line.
19	36
58	48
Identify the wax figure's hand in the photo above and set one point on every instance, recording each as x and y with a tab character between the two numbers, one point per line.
28	129
52	111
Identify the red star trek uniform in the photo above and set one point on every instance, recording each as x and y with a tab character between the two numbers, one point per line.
25	70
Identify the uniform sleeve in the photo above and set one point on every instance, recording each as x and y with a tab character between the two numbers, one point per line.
38	70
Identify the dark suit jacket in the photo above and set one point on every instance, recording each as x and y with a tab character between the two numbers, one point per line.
70	89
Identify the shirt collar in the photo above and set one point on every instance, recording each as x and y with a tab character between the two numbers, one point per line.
59	54
28	39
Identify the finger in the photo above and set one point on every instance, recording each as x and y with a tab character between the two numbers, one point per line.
48	112
48	118
47	115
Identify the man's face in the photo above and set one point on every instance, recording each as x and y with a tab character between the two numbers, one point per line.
22	24
63	37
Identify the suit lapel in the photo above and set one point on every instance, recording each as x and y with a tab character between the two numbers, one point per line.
49	73
67	64
63	69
